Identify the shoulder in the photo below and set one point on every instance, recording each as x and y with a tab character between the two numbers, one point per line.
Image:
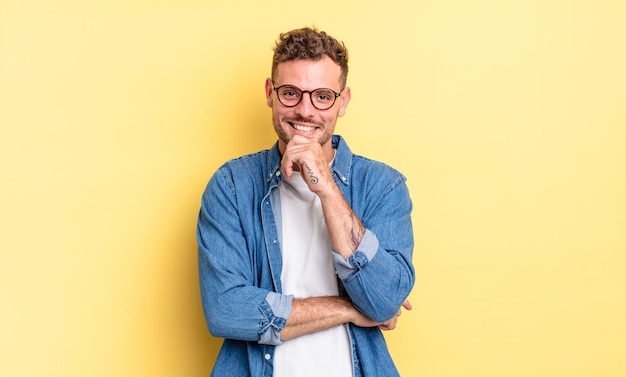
359	169
375	188
250	163
241	172
375	171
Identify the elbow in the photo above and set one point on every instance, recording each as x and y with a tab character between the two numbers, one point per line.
230	328
382	311
217	326
220	324
385	315
382	306
216	329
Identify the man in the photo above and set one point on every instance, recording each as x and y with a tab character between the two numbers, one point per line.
305	249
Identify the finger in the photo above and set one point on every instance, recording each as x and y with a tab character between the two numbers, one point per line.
407	305
287	168
389	325
288	162
297	139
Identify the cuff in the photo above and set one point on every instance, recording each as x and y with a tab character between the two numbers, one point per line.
365	251
275	311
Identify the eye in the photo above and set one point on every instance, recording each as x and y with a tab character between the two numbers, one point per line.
324	95
289	93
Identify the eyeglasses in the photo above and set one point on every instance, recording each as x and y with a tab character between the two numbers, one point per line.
321	98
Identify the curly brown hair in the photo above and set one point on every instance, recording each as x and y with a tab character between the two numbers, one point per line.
310	44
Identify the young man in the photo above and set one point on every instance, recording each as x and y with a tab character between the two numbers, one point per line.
305	249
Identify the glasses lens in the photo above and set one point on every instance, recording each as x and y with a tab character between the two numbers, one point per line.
323	98
289	95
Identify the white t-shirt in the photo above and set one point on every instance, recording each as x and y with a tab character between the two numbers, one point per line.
308	271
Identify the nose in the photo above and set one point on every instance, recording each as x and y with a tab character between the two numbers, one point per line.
305	108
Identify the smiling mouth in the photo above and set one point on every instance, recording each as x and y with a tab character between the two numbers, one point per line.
302	128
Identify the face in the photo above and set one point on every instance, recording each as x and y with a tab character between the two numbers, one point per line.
304	119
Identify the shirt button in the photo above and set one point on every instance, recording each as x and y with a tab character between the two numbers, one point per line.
267	356
278	173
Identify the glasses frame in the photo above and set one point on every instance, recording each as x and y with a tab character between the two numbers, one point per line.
276	89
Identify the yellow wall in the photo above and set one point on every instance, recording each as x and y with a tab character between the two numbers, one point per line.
508	117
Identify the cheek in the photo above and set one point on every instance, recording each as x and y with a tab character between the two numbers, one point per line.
278	115
285	113
331	117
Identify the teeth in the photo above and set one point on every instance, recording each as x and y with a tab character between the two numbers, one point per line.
303	128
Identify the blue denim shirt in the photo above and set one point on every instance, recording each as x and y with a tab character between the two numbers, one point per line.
240	262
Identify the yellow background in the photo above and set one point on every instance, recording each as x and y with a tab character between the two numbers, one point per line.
507	117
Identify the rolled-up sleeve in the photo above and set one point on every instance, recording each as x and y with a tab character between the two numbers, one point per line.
275	311
366	250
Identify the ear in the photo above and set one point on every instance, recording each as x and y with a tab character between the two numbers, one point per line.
268	92
345	98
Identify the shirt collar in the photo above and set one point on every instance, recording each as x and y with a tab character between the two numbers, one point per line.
343	159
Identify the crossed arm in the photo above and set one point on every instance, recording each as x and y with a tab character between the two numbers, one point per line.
314	314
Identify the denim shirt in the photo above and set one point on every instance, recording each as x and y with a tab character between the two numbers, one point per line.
240	262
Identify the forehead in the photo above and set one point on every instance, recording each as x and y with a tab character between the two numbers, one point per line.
309	74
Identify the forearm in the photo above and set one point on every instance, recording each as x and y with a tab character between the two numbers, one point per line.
344	227
314	314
